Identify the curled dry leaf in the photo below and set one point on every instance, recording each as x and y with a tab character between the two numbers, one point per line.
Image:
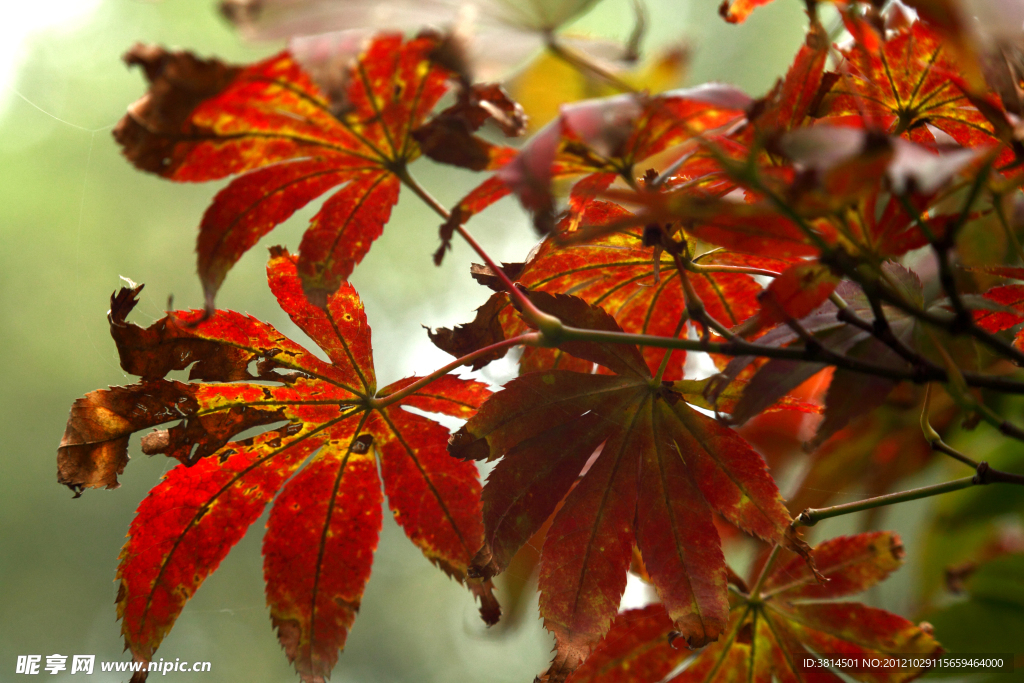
448	137
325	465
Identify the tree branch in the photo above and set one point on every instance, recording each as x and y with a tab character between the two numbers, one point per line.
984	475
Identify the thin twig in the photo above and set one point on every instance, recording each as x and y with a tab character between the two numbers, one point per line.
812	516
585	65
695	306
963	318
942	447
554	331
548	324
997	203
740	347
983	476
384	401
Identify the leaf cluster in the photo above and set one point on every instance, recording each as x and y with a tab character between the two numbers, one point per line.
812	245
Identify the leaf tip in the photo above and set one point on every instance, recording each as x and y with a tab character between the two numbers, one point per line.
697	631
122	302
490	609
896	548
723	11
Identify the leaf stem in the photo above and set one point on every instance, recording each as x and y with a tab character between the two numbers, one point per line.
748	173
695	306
585	65
1005	427
933	437
403	174
727	645
942	447
755	591
739	270
384	401
957	388
547	324
668	352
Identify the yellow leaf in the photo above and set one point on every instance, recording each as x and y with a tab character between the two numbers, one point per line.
548	82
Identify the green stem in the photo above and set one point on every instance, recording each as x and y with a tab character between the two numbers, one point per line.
727	646
384	401
934	438
812	516
585	65
749	174
1005	427
695	306
942	447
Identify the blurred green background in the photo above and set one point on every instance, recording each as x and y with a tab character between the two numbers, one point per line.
75	218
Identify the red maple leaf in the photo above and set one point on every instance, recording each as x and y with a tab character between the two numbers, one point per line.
663	467
769	635
637	284
609	137
324	524
1008	311
204	120
913	85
